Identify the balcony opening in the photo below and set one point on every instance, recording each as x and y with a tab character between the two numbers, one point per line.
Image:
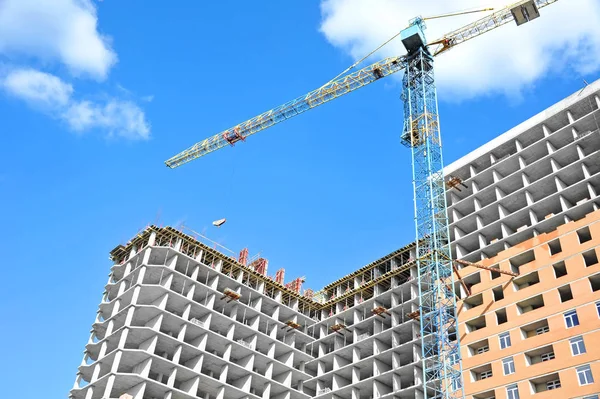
472	279
477	348
595	282
473	301
485	395
534	329
522	259
498	293
501	316
481	373
560	269
565	293
584	235
530	304
545	383
590	258
475	324
526	280
494	274
539	355
555	247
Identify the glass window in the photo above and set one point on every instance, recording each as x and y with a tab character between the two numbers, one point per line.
577	346
591	397
483	349
571	319
456	384
504	340
547	356
598	308
512	392
542	330
553	384
485	374
454	358
508	365
584	373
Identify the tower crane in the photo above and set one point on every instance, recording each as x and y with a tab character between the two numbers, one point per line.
441	360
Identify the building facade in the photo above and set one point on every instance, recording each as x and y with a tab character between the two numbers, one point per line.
180	320
529	203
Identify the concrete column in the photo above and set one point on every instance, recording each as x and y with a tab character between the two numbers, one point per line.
518	145
146	257
109	328
152	239
223	374
177	354
116	307
132	252
89	393
227	353
267	392
195	273
178	243
123	338
95	373
129	317
547	131
570	117
269	370
172	376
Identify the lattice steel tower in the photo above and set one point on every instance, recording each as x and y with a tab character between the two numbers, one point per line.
421	133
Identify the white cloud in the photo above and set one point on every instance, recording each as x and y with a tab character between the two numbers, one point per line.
56	30
121	118
38	87
565	38
46	91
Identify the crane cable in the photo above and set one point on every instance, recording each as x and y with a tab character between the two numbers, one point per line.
362	59
467	11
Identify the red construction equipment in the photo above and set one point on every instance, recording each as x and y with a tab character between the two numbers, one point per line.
337	327
231	295
291	324
380	311
260	265
296	284
243	258
309	294
279	276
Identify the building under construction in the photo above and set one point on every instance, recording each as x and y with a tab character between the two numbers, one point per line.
181	320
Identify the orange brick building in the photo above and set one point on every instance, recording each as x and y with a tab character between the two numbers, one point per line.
530	204
539	332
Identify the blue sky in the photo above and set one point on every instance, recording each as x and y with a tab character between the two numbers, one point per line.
89	114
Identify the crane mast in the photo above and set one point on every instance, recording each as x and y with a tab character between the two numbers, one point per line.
440	349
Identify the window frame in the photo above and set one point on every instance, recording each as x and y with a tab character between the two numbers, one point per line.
575	343
543	329
502	337
510	363
512	391
554	384
484	375
548	356
486	347
572	317
583	371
